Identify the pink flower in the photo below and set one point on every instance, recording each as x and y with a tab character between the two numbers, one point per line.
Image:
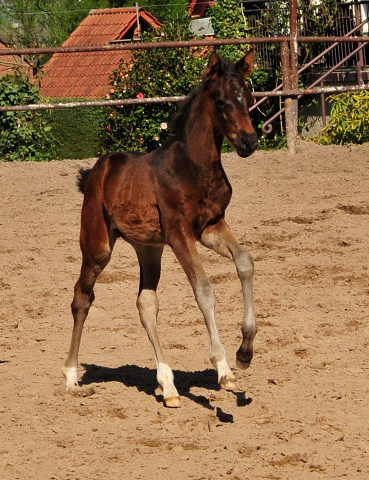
108	128
112	90
140	95
255	65
142	140
163	126
107	96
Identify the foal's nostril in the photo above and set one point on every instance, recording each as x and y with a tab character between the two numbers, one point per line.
246	143
250	141
255	143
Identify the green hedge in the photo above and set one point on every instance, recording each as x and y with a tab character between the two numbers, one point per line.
24	135
76	131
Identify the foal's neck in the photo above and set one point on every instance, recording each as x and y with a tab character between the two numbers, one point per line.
203	140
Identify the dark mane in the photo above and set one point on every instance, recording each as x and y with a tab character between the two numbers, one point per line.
177	121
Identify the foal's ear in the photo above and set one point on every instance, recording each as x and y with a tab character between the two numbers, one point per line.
245	66
214	66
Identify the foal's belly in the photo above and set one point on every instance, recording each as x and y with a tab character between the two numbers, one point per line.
130	200
138	225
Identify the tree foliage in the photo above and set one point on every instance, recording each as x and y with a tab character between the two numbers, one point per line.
42	23
23	135
228	22
152	73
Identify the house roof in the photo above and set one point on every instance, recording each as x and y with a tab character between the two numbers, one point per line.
86	74
11	63
197	8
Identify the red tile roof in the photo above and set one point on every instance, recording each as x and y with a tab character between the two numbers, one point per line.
197	8
86	75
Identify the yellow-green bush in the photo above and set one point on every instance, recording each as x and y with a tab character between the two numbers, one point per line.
349	122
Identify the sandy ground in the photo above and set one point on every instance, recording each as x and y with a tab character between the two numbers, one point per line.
300	411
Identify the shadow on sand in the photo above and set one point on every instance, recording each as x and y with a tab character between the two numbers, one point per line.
144	379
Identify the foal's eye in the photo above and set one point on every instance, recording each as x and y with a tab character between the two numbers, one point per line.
219	102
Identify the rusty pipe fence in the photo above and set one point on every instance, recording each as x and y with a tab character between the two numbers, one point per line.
290	91
267	128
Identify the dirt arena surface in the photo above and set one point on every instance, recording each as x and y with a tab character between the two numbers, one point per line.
300	411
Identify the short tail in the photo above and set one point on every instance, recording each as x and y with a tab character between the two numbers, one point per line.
82	178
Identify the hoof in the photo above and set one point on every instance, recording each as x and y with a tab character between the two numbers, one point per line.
244	357
72	386
227	383
242	365
172	402
71	376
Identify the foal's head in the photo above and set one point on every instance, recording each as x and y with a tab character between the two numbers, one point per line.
230	100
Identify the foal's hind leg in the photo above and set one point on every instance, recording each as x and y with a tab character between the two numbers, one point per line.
96	252
219	238
148	306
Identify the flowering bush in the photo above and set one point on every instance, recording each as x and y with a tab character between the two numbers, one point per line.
152	73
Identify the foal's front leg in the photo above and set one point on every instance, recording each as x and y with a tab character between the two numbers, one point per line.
185	250
219	238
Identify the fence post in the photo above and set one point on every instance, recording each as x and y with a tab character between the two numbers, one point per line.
291	103
286	79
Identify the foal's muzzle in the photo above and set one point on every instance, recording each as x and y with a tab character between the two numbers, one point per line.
245	143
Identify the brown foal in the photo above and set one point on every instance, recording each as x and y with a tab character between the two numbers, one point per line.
175	195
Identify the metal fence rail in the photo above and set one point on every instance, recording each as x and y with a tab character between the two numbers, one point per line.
289	64
140	101
179	44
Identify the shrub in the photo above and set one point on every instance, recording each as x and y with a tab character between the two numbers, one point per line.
152	73
24	135
349	119
77	130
